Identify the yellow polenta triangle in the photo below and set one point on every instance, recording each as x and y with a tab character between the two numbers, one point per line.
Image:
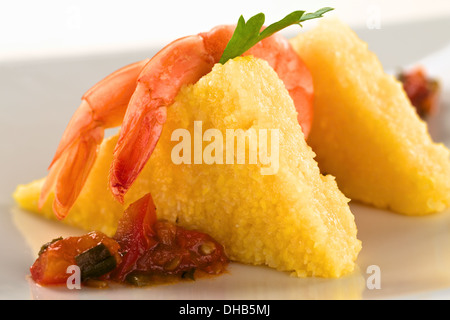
294	220
365	131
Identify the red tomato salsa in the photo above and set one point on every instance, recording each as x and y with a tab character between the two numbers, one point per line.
422	91
142	248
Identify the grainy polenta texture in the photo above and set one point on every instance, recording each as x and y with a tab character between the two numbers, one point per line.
296	220
365	131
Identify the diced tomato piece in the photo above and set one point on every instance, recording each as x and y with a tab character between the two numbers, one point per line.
421	91
51	265
134	233
179	250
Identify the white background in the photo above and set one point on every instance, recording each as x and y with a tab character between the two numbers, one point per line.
30	29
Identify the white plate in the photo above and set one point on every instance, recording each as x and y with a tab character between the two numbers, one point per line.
38	98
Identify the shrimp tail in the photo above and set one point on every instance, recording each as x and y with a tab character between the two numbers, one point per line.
70	172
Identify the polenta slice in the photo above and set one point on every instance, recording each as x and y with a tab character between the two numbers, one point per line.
294	219
365	131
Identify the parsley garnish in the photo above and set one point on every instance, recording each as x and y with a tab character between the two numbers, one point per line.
247	34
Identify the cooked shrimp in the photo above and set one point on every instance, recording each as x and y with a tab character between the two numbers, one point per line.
102	107
137	98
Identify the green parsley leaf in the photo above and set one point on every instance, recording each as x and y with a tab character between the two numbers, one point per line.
247	34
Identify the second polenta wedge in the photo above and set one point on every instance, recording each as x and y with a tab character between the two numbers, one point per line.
294	219
365	131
